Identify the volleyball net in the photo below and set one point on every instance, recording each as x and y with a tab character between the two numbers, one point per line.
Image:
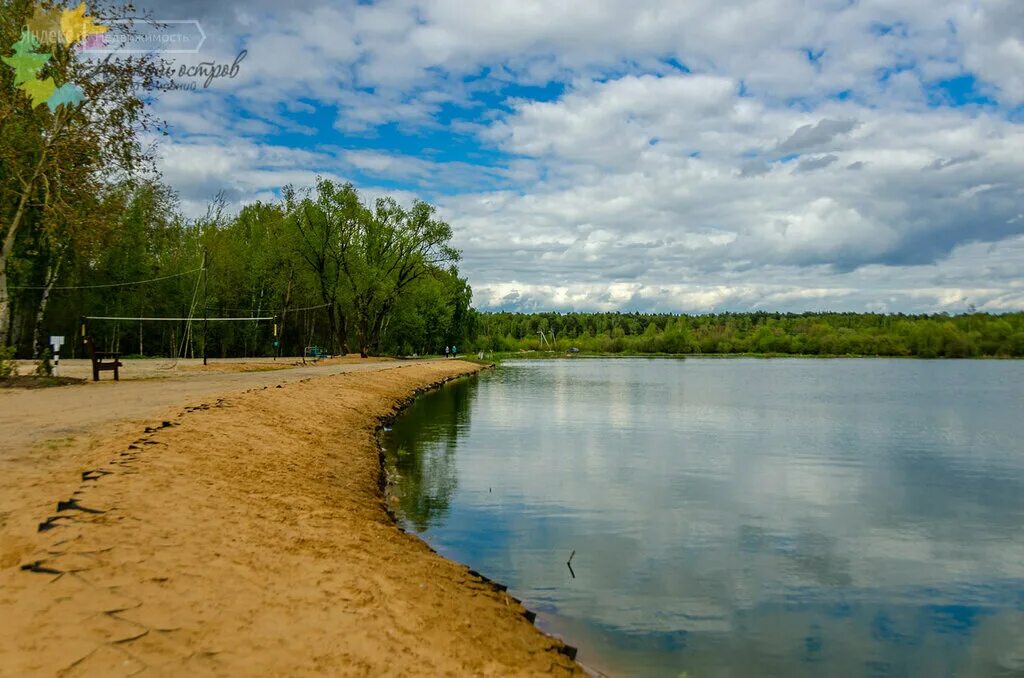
200	326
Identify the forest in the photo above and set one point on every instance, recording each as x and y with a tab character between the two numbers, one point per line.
90	230
319	268
818	334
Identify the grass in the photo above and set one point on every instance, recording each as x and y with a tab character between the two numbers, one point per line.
58	443
33	381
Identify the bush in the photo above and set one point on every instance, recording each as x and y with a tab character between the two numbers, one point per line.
8	368
44	368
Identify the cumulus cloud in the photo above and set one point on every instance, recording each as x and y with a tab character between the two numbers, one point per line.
811	137
973	274
669	156
816	162
993	39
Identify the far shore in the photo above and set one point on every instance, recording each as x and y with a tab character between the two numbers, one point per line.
554	355
233	524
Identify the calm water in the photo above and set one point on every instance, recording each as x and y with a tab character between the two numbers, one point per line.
738	517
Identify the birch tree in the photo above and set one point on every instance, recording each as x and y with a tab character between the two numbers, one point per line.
53	155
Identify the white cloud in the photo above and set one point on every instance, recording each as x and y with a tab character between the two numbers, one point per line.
993	34
643	184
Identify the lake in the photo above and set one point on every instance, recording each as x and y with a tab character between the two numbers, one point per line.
737	517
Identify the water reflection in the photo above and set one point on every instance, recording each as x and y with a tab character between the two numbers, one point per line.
421	450
740	517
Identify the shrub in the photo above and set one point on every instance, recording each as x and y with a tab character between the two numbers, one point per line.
44	368
8	368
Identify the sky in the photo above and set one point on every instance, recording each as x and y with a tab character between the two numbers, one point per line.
665	156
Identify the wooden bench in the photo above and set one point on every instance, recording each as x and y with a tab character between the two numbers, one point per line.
102	360
316	353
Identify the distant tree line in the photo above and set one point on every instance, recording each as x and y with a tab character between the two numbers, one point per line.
925	336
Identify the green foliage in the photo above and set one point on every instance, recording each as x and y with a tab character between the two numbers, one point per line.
424	470
826	334
44	366
323	263
58	162
8	368
369	262
388	252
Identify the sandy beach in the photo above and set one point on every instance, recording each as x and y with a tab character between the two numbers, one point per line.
229	522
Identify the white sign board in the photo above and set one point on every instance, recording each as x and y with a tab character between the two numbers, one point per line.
56	342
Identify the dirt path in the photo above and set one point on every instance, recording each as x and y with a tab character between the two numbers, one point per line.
147	388
242	535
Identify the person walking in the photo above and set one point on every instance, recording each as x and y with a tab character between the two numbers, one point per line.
445	351
454	350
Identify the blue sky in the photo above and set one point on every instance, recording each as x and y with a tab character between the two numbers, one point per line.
665	156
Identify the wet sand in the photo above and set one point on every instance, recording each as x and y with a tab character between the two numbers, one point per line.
244	533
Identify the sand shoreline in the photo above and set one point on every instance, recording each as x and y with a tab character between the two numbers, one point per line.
248	535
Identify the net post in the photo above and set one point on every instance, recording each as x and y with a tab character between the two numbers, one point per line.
206	305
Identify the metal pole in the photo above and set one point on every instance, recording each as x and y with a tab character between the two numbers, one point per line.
206	305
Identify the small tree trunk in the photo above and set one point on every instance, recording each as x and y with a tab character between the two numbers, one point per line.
6	250
369	343
339	327
8	245
52	272
284	315
343	333
332	320
371	333
363	330
140	329
5	303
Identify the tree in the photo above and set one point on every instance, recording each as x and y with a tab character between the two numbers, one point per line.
389	250
978	334
326	227
55	157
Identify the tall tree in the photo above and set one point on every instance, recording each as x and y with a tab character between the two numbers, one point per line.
325	225
57	149
389	251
